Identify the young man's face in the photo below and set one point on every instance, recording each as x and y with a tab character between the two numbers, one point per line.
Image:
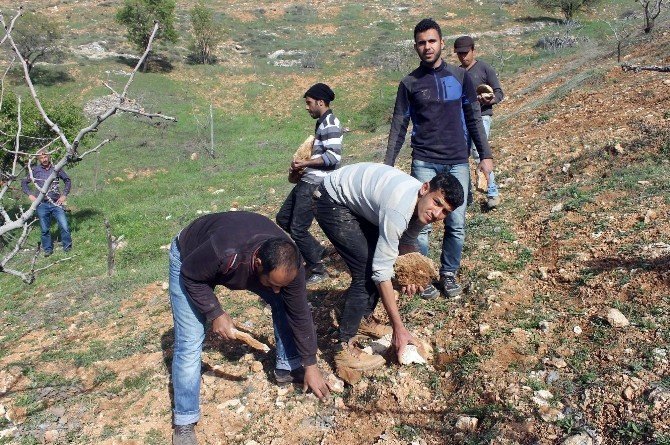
466	58
431	205
428	46
314	107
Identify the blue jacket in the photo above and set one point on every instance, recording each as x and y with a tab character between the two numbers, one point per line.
442	104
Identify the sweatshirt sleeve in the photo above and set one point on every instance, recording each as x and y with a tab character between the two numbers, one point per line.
399	124
473	118
392	225
492	80
199	270
66	181
300	319
25	184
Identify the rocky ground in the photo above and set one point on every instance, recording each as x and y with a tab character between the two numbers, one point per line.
562	336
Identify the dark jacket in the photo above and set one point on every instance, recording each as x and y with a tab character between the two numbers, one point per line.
442	104
483	73
219	249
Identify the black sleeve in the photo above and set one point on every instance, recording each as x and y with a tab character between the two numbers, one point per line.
492	80
300	319
399	124
473	118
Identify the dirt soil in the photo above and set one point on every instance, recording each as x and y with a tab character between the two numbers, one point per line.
529	351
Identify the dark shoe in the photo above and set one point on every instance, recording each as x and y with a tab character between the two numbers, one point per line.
370	327
67	249
429	292
493	201
316	278
449	285
184	435
286	377
47	253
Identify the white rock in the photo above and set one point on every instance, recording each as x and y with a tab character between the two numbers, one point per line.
544	272
616	319
579	439
467	424
550	414
577	330
650	216
484	328
230	403
411	355
336	385
165	285
557	208
194	156
494	275
543	394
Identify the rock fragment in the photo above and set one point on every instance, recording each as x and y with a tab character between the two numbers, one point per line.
579	439
616	319
467	424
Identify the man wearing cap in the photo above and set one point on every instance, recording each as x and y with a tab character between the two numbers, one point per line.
441	101
295	215
482	74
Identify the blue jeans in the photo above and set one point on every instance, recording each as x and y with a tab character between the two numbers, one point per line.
454	224
492	186
189	334
45	211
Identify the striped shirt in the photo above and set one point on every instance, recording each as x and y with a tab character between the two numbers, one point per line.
384	196
327	145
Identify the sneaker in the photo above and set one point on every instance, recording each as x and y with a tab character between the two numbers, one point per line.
449	285
370	327
285	377
184	435
429	292
316	278
47	253
350	356
493	201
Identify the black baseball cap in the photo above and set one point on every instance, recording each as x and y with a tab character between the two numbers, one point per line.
463	44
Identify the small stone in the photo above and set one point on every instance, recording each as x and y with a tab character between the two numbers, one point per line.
557	208
194	156
57	411
618	148
339	403
552	376
579	439
283	390
2	410
650	216
550	414
50	436
229	403
556	362
17	415
256	366
629	393
577	330
566	167
467	424
336	385
165	285
544	326
616	319
484	328
251	442
544	272
494	275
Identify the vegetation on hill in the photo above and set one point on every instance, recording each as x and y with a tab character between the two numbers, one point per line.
581	149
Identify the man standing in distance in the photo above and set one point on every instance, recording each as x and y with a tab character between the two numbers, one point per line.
441	101
52	203
482	74
239	250
295	215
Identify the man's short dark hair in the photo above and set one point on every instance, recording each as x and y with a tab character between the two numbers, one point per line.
426	24
279	253
450	187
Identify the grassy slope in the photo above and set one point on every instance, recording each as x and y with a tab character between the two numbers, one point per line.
259	122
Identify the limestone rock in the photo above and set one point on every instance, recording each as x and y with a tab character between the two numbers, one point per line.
467	424
336	385
616	319
414	268
256	366
579	439
494	275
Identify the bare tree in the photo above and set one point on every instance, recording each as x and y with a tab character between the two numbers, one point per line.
621	34
15	228
652	9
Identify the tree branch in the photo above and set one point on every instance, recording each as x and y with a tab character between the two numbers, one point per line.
638	68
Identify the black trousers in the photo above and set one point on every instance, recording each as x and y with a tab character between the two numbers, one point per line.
355	239
295	217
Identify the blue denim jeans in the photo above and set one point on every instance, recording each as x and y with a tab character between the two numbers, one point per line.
492	186
45	211
454	224
189	334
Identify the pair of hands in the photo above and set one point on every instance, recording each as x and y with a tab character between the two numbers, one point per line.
223	326
486	100
59	201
